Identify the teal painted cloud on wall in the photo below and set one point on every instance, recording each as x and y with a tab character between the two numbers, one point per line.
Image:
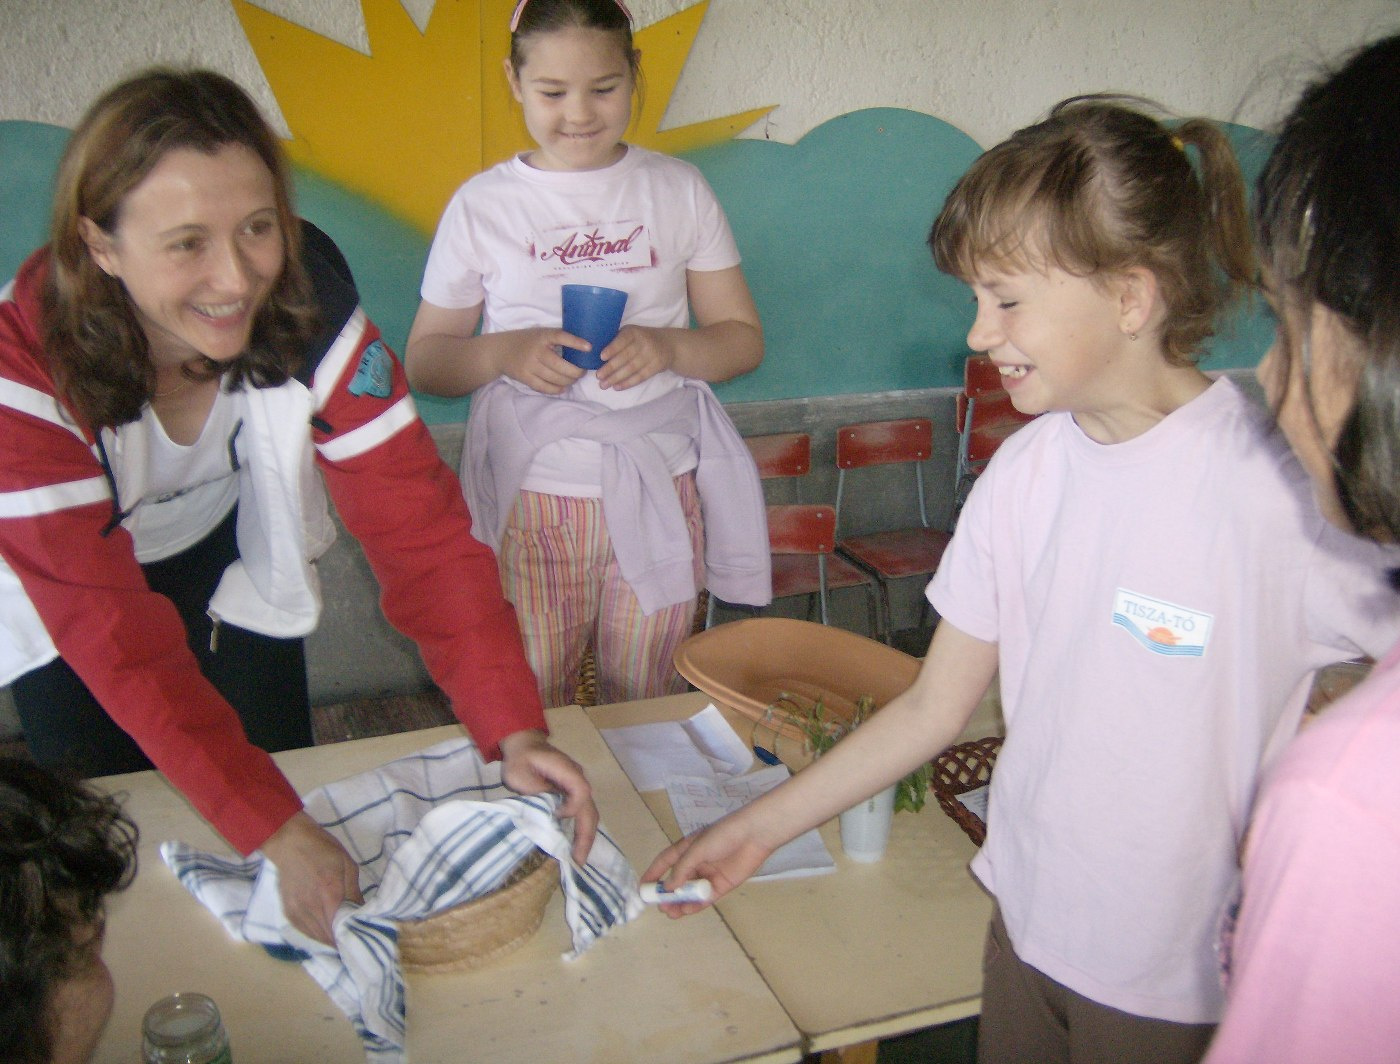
831	230
29	153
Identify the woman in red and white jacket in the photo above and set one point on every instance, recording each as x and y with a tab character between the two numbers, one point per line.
184	371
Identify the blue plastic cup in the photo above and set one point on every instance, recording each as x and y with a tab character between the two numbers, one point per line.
593	314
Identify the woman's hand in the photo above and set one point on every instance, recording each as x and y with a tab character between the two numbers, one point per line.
314	875
530	765
726	853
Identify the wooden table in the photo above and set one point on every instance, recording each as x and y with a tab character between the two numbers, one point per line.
870	950
656	989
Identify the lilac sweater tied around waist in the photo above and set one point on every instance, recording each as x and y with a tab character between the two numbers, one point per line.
509	423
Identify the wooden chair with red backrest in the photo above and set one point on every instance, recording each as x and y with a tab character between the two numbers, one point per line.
895	553
985	418
802	536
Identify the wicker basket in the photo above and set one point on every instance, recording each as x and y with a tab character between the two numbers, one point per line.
961	768
475	932
586	692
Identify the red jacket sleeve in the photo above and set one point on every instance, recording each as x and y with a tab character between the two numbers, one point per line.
126	642
440	585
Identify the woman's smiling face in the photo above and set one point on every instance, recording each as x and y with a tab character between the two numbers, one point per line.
198	248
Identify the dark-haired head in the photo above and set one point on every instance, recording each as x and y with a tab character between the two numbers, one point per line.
96	345
536	17
1328	220
63	849
1100	187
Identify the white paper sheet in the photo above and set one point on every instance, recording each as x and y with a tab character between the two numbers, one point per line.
975	801
700	801
703	746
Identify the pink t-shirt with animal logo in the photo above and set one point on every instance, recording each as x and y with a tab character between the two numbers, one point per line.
511	237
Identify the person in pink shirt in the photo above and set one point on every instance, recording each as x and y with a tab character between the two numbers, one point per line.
1144	567
1314	960
590	565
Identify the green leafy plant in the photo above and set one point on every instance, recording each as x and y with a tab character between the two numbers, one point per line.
821	730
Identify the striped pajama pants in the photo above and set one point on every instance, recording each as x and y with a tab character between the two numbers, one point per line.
559	571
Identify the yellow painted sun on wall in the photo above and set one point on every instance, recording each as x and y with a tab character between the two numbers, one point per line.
408	123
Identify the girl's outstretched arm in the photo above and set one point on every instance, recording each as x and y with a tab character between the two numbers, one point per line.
444	356
727	340
909	730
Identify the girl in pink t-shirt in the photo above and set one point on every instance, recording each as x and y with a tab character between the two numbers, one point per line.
1141	567
1315	958
584	207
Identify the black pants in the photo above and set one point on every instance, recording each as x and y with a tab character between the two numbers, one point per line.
264	678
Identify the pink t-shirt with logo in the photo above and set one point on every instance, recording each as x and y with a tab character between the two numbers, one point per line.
513	236
1159	606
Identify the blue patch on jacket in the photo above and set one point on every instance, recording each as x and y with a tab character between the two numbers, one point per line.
375	373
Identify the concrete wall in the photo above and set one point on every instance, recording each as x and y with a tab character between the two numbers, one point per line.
876	111
831	227
987	66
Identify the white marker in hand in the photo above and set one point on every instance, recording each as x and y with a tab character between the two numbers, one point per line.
695	890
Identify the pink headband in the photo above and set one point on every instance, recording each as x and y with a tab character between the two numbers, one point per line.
520	7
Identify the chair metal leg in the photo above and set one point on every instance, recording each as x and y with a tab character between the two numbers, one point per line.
884	630
880	630
925	610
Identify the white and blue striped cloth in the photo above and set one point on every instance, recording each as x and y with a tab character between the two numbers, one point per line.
428	831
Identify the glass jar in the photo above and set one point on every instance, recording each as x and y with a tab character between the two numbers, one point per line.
184	1029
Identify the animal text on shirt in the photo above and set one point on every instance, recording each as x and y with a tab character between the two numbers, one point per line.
622	245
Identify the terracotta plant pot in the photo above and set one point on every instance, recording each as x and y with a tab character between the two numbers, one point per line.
749	665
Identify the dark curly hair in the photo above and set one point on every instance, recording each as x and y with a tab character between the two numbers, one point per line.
97	349
63	849
1328	219
1101	186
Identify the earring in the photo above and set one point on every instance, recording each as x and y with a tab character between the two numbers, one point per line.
1132	337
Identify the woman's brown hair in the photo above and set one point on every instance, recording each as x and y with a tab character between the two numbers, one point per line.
96	347
1100	187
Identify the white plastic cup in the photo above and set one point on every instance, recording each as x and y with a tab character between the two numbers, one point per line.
865	828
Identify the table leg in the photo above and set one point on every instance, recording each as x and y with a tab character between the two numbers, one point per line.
861	1053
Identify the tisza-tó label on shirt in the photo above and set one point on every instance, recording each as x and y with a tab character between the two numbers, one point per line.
1162	627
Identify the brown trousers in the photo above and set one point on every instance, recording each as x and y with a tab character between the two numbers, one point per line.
1028	1018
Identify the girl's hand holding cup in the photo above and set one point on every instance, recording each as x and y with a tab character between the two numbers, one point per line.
534	360
637	355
